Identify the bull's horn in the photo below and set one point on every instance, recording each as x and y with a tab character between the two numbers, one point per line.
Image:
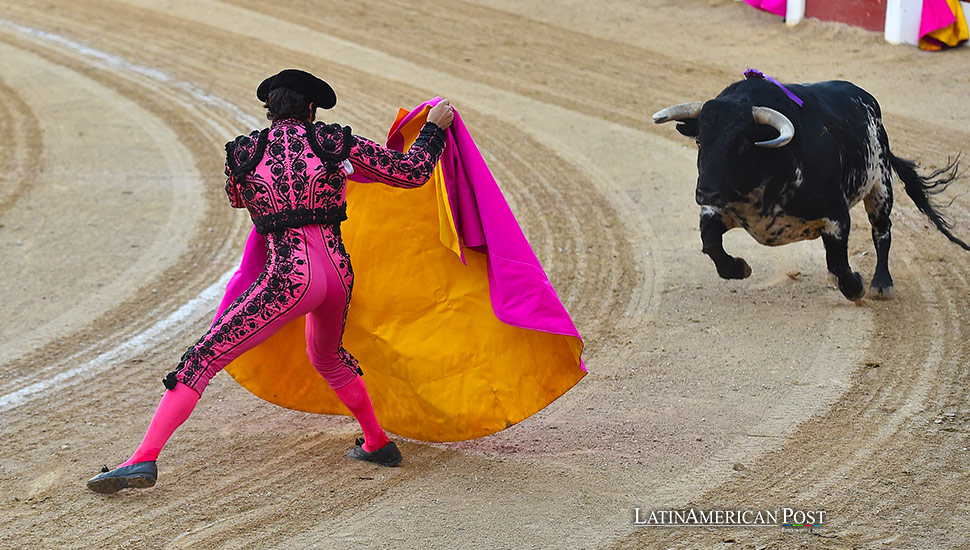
778	121
683	111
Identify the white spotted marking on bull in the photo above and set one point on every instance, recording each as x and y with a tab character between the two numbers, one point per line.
876	170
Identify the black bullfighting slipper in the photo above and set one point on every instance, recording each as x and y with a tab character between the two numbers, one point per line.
138	475
388	455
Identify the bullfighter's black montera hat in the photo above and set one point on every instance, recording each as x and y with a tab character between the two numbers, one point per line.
317	91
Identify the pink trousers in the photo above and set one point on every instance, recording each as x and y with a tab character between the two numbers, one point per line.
307	272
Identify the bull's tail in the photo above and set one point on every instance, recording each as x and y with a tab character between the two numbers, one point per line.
919	188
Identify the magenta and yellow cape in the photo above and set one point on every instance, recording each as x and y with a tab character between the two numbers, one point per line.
942	24
453	320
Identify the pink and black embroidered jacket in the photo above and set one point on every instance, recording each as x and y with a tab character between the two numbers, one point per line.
293	174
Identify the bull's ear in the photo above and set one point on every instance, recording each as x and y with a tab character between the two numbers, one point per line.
688	127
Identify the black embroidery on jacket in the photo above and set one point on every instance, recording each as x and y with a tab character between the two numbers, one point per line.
290	219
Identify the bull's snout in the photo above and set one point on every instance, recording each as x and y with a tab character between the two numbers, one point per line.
708	198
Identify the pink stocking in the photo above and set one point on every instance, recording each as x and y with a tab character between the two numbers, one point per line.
176	406
354	396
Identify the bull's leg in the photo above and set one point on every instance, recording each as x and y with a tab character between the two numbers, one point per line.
879	203
835	236
713	227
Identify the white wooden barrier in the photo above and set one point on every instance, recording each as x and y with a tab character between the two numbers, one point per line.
966	15
902	21
794	12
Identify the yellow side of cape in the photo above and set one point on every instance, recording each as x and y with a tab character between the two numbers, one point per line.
438	363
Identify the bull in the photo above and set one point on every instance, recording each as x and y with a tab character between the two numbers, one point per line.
787	162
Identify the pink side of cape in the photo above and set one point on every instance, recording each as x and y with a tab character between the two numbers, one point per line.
936	15
777	7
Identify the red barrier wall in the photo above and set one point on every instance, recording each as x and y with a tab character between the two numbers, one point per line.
868	14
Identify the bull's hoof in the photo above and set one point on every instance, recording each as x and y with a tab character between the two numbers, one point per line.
881	288
852	287
736	268
881	293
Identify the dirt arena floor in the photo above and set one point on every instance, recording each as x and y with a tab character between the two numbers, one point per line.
772	392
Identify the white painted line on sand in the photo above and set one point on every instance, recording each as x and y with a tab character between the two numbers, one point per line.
108	60
193	307
190	309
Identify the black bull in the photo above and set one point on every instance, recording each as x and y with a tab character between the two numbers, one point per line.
787	173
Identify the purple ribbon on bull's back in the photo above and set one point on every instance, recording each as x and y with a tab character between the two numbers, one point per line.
754	73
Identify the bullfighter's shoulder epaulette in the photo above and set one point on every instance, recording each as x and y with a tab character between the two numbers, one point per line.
331	142
244	152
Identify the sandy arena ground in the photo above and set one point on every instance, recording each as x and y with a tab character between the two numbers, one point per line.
767	393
